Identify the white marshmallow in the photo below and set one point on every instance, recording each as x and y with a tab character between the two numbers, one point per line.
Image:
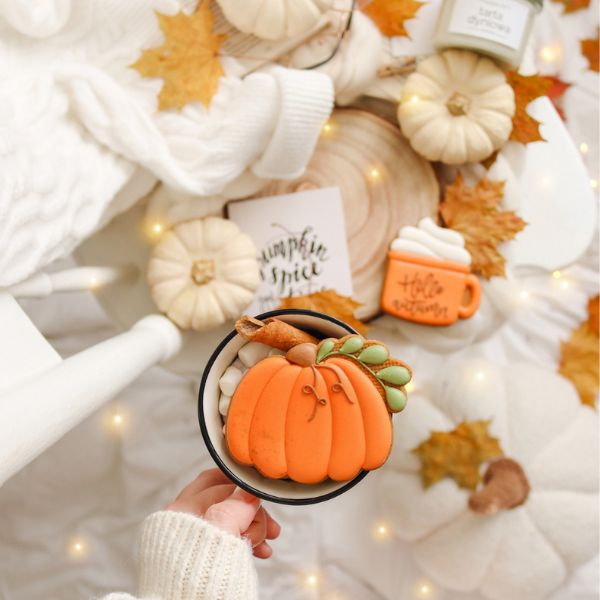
224	402
230	380
253	352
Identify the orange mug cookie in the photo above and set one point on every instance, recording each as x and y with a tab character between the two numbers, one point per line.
429	290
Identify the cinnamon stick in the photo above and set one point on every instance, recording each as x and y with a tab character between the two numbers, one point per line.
273	332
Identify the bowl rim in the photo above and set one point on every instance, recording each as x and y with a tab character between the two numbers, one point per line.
215	455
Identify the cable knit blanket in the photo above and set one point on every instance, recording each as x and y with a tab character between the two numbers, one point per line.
76	122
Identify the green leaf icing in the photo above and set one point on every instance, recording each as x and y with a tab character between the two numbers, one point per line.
396	398
374	355
325	348
351	345
394	374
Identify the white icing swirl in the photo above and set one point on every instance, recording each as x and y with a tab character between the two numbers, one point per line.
429	239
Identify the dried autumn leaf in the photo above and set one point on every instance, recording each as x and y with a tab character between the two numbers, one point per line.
573	5
474	213
458	454
526	129
580	356
555	93
389	15
589	49
187	61
330	303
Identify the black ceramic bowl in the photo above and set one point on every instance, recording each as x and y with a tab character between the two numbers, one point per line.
282	491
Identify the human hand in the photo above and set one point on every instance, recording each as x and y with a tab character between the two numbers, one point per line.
217	500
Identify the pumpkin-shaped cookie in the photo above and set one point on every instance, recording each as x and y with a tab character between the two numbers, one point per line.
317	413
203	272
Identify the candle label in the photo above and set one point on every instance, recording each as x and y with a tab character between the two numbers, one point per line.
501	21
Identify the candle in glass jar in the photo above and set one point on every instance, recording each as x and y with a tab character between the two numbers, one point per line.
498	28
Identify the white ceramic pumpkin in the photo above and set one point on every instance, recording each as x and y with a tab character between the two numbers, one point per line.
203	272
456	107
521	553
274	19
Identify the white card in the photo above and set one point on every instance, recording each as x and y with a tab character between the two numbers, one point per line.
301	242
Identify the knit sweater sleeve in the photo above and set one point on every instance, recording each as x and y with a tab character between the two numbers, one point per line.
183	557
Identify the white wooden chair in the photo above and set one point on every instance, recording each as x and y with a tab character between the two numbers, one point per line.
43	396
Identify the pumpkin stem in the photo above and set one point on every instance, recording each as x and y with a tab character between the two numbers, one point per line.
458	104
505	486
202	271
304	355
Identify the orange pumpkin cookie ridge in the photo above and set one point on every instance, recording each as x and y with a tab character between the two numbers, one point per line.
321	411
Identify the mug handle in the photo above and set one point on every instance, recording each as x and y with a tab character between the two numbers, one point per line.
472	283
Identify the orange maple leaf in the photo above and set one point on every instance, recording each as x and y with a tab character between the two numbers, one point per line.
580	356
526	129
571	6
330	303
590	49
458	454
389	15
474	213
187	61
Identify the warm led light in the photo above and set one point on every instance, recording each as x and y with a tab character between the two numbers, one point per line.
381	531
556	274
157	228
117	420
77	548
93	283
594	184
479	376
548	54
327	128
312	580
424	590
409	387
374	174
524	295
583	148
414	99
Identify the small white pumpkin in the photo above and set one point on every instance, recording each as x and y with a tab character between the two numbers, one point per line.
524	552
203	273
456	107
274	19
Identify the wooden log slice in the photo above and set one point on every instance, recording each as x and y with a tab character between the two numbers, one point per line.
384	185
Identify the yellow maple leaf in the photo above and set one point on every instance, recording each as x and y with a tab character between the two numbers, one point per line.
580	356
389	15
188	61
526	129
458	454
590	49
328	302
474	213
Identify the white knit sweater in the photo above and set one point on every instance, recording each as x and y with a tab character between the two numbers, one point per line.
183	557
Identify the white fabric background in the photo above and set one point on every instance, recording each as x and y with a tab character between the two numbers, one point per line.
99	485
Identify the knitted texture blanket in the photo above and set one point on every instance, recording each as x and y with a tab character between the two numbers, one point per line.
76	122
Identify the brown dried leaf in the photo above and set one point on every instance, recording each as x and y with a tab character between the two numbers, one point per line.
474	213
389	15
458	454
580	356
188	60
589	49
330	303
526	88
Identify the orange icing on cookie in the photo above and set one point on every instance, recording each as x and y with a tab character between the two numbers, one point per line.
308	422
